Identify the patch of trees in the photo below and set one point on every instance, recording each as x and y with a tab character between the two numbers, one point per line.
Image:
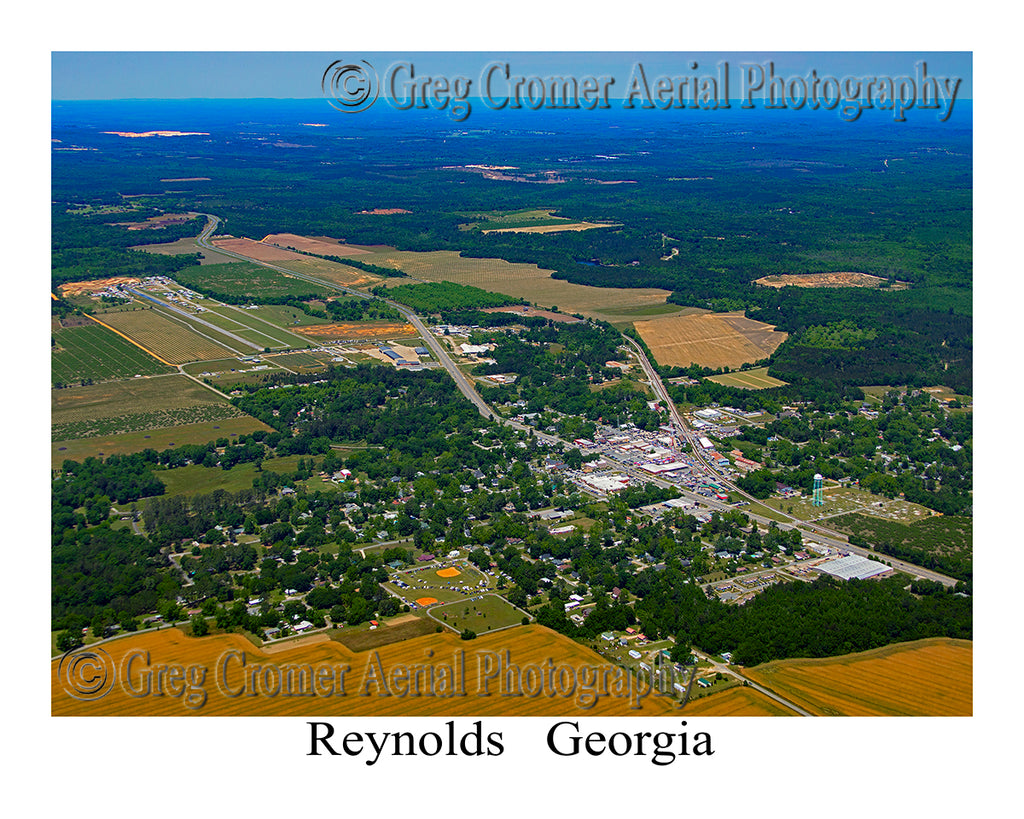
99	567
438	297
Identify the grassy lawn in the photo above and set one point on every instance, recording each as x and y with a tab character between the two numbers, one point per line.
481	614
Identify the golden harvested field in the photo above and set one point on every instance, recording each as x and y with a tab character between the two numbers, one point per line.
826	280
321	245
736	702
166	338
709	339
355	330
273	679
526	281
932	677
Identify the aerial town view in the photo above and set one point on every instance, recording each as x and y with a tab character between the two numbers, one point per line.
655	410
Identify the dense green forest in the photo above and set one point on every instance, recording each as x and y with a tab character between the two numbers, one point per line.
704	217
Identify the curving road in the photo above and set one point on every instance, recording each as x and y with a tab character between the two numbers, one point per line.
814	532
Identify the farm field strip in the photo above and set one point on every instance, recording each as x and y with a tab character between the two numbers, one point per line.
738	701
168	336
526	646
932	677
95	352
709	339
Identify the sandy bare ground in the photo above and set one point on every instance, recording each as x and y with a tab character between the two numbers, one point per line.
568	226
845	279
354	331
94	286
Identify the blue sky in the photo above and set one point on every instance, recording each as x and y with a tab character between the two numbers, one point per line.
226	75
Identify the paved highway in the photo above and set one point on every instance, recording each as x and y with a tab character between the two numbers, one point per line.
815	533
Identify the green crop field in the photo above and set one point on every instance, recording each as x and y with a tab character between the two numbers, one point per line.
94	352
246	280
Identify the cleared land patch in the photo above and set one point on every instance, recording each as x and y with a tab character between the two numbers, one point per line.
356	331
757	379
827	280
94	285
932	677
261	251
709	339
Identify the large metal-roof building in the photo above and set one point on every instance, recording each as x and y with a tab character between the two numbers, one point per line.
853	567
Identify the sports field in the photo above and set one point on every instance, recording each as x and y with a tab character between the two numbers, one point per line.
427	581
709	339
91	351
282	681
932	677
757	379
479	614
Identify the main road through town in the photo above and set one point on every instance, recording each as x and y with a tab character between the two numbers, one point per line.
814	532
